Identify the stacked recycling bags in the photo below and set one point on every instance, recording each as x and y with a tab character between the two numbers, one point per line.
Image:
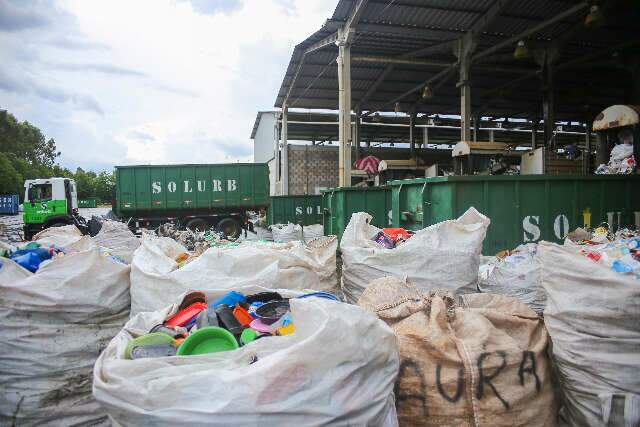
53	325
445	255
162	269
338	368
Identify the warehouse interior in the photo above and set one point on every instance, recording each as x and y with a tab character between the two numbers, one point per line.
416	77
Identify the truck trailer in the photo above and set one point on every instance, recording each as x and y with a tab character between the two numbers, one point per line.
195	196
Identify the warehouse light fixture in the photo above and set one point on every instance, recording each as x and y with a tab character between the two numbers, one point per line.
595	18
522	51
427	92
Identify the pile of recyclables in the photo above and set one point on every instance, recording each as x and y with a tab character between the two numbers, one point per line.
228	322
225	358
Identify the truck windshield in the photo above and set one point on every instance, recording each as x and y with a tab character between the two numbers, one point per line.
39	192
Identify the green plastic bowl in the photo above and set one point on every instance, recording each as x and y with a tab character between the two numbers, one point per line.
153	338
211	339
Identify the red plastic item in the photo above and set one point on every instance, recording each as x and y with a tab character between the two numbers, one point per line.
242	316
186	314
594	256
396	233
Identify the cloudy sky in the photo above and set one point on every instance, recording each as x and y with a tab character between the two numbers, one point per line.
148	81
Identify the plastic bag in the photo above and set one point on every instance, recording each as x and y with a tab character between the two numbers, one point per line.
518	275
338	368
314	231
118	238
53	326
59	236
156	279
592	318
286	232
445	255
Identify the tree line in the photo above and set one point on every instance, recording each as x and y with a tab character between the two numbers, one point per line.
25	153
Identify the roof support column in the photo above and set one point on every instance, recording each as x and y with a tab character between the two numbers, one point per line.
276	153
586	155
356	133
285	151
344	108
412	134
548	103
465	49
534	133
476	127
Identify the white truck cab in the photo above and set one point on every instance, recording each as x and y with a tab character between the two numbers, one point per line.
51	189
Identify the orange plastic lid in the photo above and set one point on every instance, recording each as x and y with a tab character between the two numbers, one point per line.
242	316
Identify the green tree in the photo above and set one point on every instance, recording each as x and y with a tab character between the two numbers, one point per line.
11	180
25	153
26	141
105	184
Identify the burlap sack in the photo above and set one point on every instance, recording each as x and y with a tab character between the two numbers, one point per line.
472	360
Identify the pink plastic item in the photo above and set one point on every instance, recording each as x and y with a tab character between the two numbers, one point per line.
259	326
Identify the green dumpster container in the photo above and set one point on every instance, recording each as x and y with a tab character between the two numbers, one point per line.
302	210
521	208
339	204
87	203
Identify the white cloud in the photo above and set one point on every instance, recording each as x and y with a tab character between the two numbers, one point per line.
188	78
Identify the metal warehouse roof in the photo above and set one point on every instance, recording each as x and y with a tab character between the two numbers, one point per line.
400	44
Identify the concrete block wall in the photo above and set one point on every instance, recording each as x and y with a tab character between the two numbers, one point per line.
312	168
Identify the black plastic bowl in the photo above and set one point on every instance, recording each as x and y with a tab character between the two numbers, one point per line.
272	311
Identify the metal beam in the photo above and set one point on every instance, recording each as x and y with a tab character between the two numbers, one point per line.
536	28
412	134
327	41
293	80
406	31
398	60
354	18
356	134
344	112
464	56
285	151
548	103
431	63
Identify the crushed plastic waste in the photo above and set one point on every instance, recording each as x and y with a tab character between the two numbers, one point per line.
619	251
622	256
392	237
32	256
231	321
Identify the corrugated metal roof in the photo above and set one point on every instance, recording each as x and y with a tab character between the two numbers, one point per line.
391	28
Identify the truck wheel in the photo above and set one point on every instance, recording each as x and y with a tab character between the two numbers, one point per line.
230	228
197	224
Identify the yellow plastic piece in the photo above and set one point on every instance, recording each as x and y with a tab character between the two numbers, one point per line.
286	330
